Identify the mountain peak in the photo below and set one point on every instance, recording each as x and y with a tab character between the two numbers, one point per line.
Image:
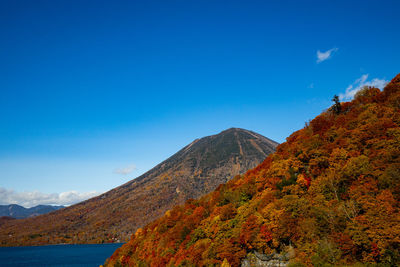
238	148
232	129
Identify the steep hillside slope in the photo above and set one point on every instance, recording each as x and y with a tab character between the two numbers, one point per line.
193	171
328	196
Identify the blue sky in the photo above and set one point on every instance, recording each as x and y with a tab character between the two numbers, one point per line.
90	89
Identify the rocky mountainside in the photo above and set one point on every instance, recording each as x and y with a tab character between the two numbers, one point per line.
329	196
19	212
193	171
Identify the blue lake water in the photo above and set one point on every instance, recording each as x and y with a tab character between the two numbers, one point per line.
57	255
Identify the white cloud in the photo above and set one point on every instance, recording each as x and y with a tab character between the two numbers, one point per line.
358	84
126	170
322	56
31	199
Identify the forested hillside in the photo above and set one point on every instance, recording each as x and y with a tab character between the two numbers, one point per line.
328	196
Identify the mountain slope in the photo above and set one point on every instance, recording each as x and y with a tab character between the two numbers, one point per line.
195	170
19	212
329	195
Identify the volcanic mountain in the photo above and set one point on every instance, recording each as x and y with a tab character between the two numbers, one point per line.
193	171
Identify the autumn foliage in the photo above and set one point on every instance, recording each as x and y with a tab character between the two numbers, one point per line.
331	192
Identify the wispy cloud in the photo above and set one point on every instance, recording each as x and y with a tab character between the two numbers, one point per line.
358	84
126	170
322	56
31	199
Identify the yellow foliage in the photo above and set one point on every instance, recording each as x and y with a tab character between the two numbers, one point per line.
225	263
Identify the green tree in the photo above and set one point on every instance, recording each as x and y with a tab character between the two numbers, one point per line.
336	108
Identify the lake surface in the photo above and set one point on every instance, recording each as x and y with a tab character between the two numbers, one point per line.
57	255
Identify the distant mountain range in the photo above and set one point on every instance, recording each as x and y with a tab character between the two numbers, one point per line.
19	212
193	171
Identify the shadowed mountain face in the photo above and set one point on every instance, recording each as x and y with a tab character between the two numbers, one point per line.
192	172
